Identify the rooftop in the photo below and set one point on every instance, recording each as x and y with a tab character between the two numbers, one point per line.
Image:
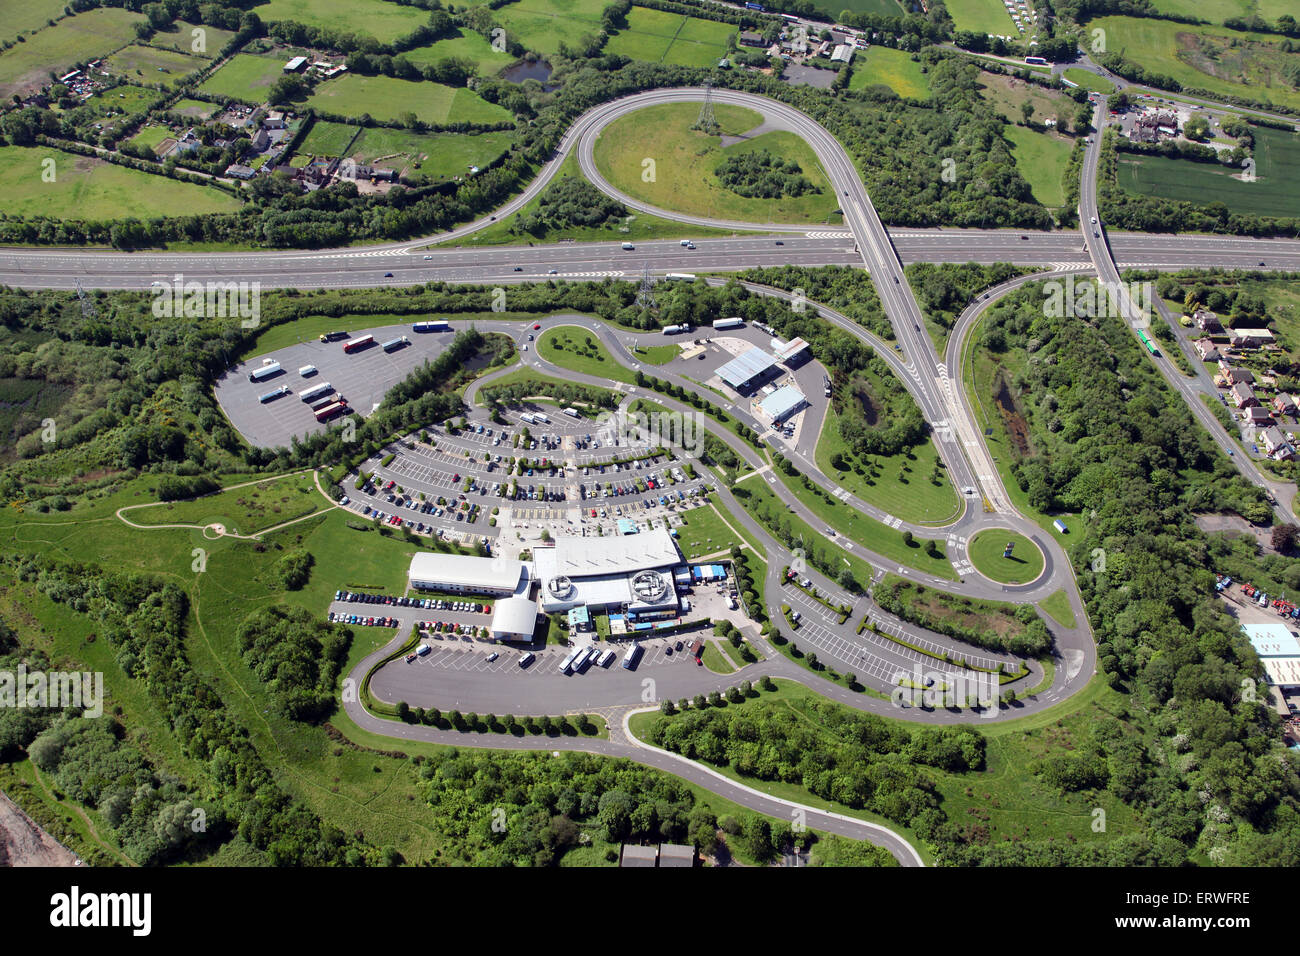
466	571
746	367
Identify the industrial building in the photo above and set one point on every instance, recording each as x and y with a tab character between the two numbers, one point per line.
461	574
748	370
782	403
631	572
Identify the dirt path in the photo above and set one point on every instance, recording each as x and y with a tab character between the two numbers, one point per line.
23	843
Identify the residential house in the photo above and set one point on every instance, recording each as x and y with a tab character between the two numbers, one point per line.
1276	445
1233	375
1206	349
1243	395
1257	416
749	38
1284	404
238	171
1207	321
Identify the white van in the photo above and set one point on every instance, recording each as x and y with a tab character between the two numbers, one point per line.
628	246
423	649
527	659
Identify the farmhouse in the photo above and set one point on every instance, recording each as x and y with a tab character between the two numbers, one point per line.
1248	338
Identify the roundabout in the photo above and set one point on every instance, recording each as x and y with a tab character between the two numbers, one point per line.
1005	556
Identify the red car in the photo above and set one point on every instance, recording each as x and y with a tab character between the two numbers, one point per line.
536	327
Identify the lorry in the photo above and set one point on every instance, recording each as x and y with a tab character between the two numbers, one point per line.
435	325
333	336
733	323
673	329
316	391
392	345
272	396
360	342
266	371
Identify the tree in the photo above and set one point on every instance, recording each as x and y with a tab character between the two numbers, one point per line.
1027	111
846	579
403	711
907	538
667	708
1283	538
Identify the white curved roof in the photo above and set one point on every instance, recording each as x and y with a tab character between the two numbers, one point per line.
514	615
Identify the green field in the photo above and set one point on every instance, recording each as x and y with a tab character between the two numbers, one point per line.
245	511
705	532
1089	81
146	64
23	16
1058	606
916	499
1217	59
328	139
661	37
382	20
91	189
195	108
893	68
685	160
886	8
656	354
1216	11
245	77
212	40
1041	158
123	105
1006	94
388	98
633	227
77	39
982	16
542	25
581	351
985	552
1273	193
150	136
467	45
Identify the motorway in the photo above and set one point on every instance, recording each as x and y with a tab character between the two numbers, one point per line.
861	241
